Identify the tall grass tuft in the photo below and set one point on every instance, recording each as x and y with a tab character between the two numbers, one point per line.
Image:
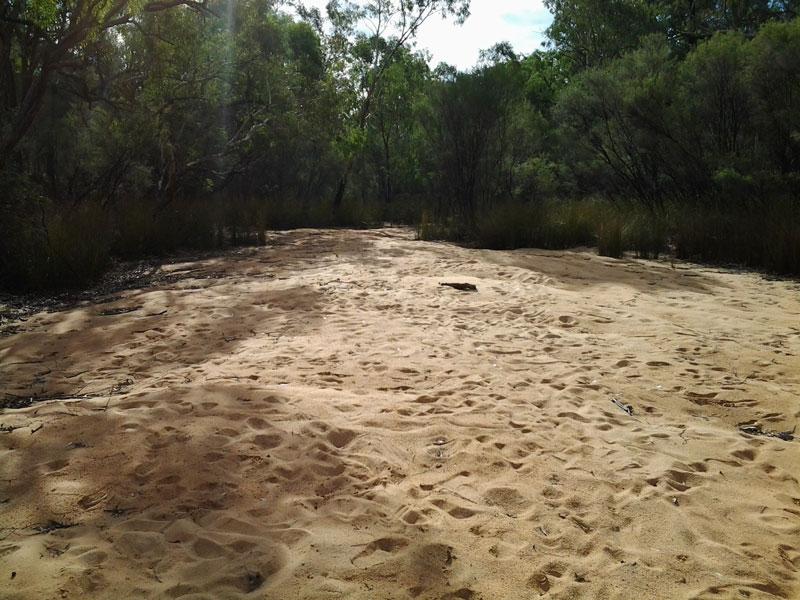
750	236
47	248
766	238
645	232
609	235
554	225
43	246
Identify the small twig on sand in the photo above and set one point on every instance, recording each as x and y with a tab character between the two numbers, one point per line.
113	312
25	362
628	408
455	493
445	380
37	429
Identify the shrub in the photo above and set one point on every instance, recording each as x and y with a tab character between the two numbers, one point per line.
644	232
46	247
150	229
609	236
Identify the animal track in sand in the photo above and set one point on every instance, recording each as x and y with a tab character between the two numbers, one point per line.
389	545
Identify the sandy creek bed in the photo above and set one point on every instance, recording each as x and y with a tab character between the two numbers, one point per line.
319	418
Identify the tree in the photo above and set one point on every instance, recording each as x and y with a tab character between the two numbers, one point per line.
394	112
626	115
42	38
774	77
716	94
689	22
472	145
547	74
590	33
363	45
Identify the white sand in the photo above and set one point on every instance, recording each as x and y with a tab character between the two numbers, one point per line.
320	419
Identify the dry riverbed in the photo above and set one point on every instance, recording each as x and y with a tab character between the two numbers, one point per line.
319	418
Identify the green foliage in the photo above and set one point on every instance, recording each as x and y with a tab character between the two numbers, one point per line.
41	12
553	224
644	232
768	239
774	78
721	123
716	95
474	125
547	74
538	178
590	33
129	129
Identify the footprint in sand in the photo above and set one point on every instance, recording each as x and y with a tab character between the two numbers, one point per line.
90	501
205	548
389	545
257	423
567	321
412	517
268	441
341	437
56	465
539	581
507	498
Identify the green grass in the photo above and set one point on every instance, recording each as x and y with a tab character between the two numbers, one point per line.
518	225
47	247
760	237
44	248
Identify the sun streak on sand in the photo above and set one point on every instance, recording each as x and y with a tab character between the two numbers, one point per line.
321	419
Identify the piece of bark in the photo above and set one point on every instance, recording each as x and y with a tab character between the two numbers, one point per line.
462	287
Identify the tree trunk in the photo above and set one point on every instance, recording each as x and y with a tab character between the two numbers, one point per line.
342	187
25	117
387	174
8	88
362	125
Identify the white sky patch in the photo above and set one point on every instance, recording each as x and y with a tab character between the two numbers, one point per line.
522	23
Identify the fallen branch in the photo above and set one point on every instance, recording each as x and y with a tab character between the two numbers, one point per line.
12	401
628	408
752	429
111	312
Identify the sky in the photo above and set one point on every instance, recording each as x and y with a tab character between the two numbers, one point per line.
520	22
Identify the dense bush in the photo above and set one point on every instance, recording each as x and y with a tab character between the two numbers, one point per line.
44	247
762	237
